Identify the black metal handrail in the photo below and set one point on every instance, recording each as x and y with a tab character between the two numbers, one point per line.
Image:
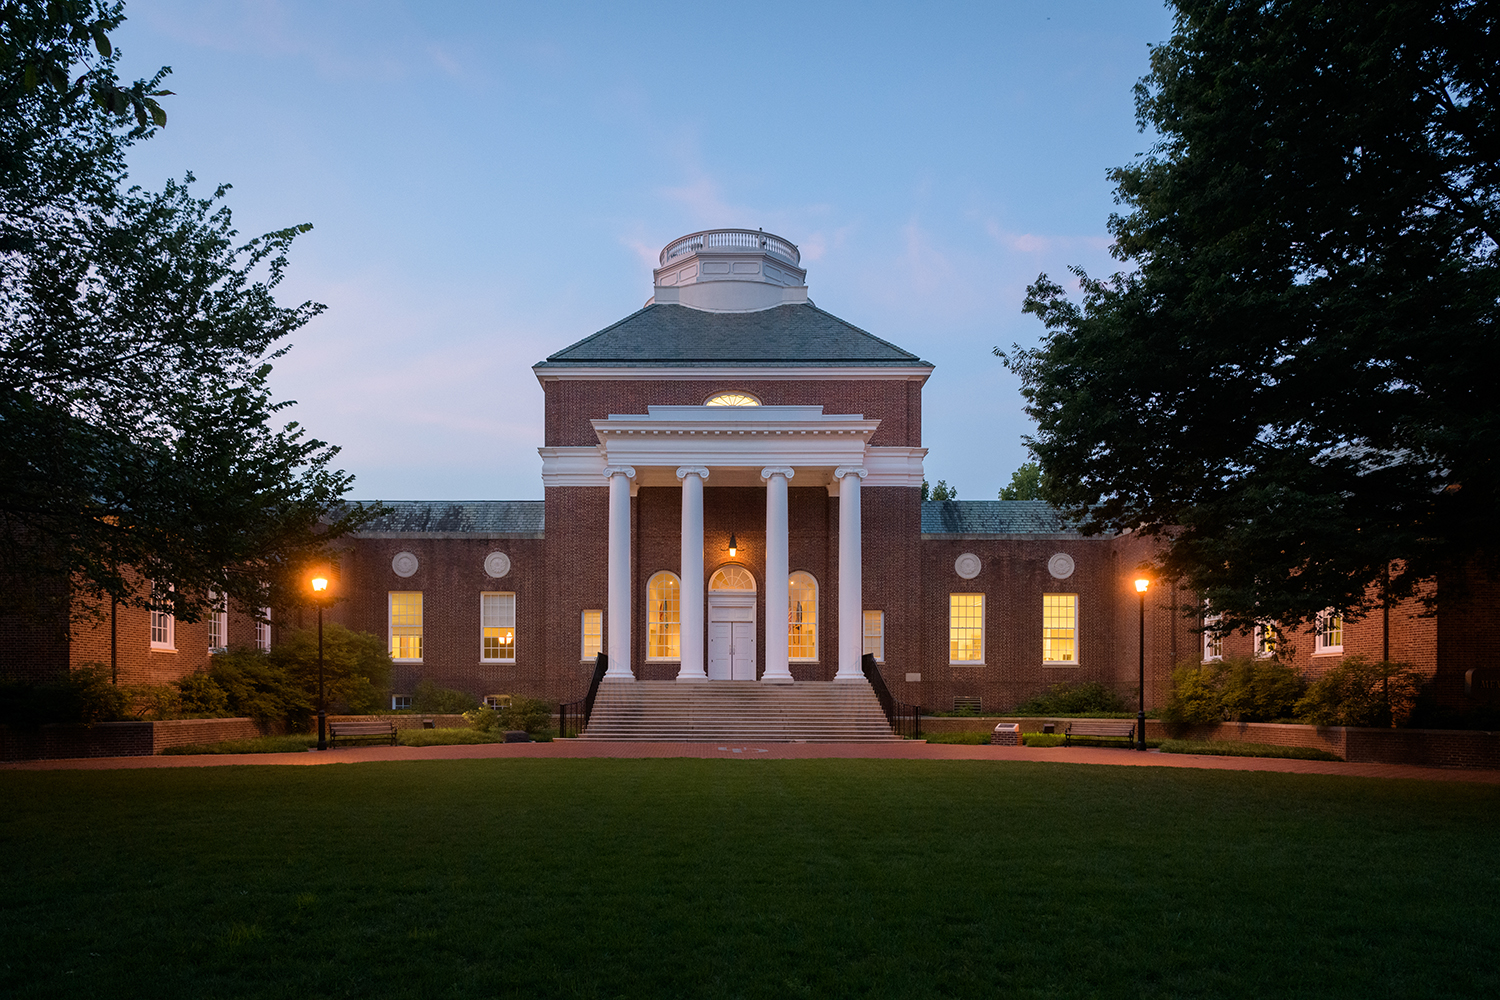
574	715
904	719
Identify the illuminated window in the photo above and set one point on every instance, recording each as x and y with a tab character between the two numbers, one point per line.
1329	633
497	628
1213	640
218	622
1059	628
593	634
1267	639
966	628
875	635
263	630
406	625
731	578
663	617
802	616
732	399
163	624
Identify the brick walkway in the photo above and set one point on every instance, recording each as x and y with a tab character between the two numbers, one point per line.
778	751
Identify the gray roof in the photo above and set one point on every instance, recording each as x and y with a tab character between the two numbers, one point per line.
797	336
993	517
457	517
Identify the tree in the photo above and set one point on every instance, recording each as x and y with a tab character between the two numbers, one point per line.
1291	386
136	337
942	491
1025	483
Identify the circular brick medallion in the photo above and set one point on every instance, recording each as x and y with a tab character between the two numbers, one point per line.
1060	566
967	565
404	564
497	564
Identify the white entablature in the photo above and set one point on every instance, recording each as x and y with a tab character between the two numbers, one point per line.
736	442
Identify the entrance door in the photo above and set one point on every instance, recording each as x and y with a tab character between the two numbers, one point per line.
731	636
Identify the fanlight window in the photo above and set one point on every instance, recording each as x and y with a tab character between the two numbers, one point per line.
731	578
732	399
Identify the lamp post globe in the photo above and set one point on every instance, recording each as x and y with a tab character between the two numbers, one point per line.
1140	716
320	587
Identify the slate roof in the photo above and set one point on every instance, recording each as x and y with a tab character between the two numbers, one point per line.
458	517
792	336
993	517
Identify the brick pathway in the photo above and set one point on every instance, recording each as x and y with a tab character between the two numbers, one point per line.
779	751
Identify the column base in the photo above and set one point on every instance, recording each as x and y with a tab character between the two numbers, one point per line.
841	676
778	679
692	678
612	675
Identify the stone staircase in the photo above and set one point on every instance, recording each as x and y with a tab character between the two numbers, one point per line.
669	711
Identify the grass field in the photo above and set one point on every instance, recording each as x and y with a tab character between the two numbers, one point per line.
744	878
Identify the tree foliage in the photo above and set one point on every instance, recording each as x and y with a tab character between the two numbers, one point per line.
1291	383
137	331
1025	483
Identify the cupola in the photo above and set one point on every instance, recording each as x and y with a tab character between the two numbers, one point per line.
730	270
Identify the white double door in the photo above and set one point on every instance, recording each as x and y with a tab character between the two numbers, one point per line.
731	637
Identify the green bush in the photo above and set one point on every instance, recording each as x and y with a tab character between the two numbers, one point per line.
256	686
1242	690
1073	699
1195	694
1360	693
1042	739
84	695
482	719
527	714
430	698
962	738
200	694
356	667
1227	748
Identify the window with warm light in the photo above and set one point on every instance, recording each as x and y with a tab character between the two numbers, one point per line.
802	617
1329	633
497	627
731	578
1213	640
875	635
593	634
732	399
1060	628
966	629
664	617
1267	639
406	625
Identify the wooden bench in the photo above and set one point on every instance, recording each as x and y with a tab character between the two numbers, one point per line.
1100	729
384	730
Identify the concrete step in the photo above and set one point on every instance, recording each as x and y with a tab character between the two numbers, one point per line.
814	711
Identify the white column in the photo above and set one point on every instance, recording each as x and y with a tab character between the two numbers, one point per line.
618	649
851	586
692	668
778	568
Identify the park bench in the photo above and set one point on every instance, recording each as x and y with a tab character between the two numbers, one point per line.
384	730
1099	729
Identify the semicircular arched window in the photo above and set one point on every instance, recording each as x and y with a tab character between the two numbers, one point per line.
664	617
802	616
731	578
731	399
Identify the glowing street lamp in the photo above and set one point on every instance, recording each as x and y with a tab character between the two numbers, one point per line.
320	588
1140	716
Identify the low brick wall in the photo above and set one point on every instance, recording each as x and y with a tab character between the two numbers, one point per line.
1425	747
117	739
181	732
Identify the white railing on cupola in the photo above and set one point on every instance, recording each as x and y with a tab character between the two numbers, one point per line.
731	239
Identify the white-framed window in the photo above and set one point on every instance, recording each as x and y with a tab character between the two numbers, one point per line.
1328	633
802	617
497	628
664	617
263	631
400	702
1267	641
1213	640
593	634
1060	628
875	635
406	625
495	702
163	623
731	399
966	629
218	622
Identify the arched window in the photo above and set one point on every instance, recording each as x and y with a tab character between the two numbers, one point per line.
731	578
664	617
802	616
731	399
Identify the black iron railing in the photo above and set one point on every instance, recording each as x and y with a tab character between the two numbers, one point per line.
572	716
905	720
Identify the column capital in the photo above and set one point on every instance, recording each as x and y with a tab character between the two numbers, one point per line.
850	470
786	472
692	470
628	471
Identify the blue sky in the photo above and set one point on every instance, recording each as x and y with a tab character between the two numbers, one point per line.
490	182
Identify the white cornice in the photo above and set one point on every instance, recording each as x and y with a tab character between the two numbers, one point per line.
740	373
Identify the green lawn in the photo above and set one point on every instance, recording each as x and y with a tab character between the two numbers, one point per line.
744	878
306	741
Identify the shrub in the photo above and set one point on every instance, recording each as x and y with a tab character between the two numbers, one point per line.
1073	699
200	694
1360	693
1242	690
256	686
356	667
428	697
154	701
1042	739
1195	694
482	719
84	695
528	714
1227	748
